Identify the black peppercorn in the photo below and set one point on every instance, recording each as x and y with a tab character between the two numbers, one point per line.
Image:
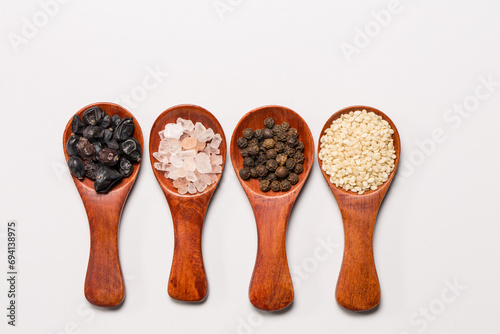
245	173
290	164
269	123
253	141
244	152
292	141
281	172
281	159
248	162
285	185
248	133
261	159
271	154
261	170
271	177
279	147
268	143
282	136
242	142
290	151
276	128
265	185
76	167
258	134
253	173
299	157
293	132
285	126
271	165
253	150
299	168
275	186
300	146
293	178
267	133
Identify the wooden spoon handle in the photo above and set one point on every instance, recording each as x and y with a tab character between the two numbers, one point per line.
358	287
271	286
188	280
104	281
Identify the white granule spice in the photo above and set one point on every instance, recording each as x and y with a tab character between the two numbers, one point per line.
357	151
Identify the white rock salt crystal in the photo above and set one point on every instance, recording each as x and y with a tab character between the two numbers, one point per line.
191	188
181	172
187	125
189	164
182	190
188	154
199	129
211	150
173	130
200	146
216	159
206	136
191	176
200	185
202	161
176	161
205	178
217	169
162	157
172	174
213	177
180	182
216	141
161	166
161	134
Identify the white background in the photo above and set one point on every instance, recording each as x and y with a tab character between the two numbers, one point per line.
438	223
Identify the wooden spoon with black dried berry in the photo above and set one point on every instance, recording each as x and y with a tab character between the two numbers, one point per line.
116	136
271	286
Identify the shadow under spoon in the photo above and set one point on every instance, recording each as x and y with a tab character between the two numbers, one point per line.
188	280
358	287
271	286
104	285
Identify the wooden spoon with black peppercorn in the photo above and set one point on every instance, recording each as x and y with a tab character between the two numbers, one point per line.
271	286
104	285
188	280
358	288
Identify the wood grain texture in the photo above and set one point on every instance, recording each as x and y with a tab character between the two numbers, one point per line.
271	286
188	280
358	287
104	281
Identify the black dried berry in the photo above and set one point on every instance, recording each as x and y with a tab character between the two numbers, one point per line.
132	149
113	144
292	141
271	154
106	121
253	141
253	150
265	185
293	132
299	168
271	177
124	129
281	159
126	167
85	149
267	133
245	173
285	185
290	151
106	178
71	144
261	170
253	173
293	178
276	128
275	186
242	142
248	133
269	144
280	147
108	157
107	136
285	126
91	169
271	165
115	120
77	125
281	172
76	167
97	146
94	133
244	152
93	116
299	157
248	162
261	159
269	123
258	134
290	164
300	146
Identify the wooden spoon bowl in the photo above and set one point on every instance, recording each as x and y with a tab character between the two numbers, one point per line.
104	281
188	280
358	288
271	286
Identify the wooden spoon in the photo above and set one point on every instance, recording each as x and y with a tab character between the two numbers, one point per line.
188	280
358	288
104	281
271	286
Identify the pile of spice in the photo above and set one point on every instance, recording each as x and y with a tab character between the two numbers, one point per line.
189	155
357	151
274	155
102	148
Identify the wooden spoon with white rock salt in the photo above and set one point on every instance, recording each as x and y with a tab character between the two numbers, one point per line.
358	288
188	281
